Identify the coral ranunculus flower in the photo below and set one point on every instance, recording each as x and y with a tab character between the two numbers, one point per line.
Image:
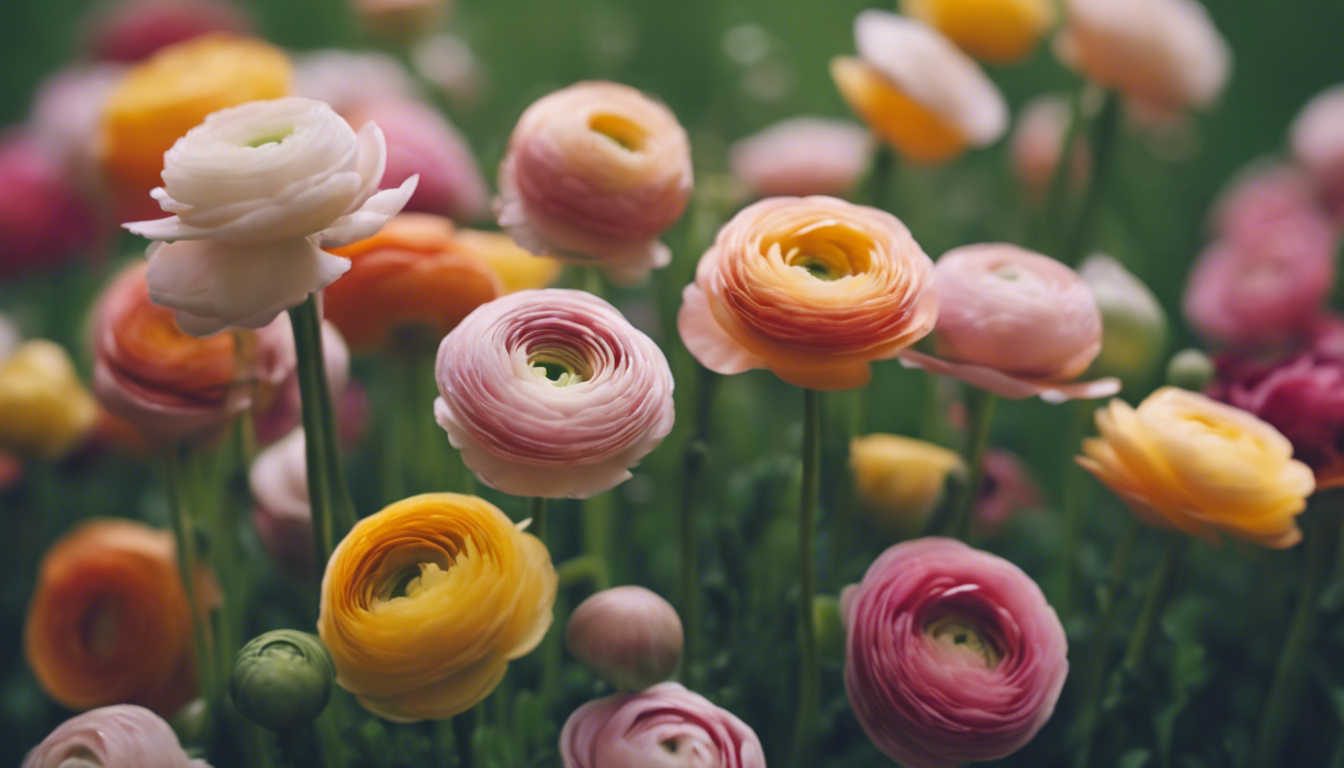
1015	323
1186	462
812	288
996	31
953	655
120	736
518	269
425	603
170	93
173	386
917	91
594	174
109	621
45	411
408	275
552	393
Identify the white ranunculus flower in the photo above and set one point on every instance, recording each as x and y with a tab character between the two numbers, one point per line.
257	191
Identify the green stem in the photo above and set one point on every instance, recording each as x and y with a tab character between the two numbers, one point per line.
981	407
1055	209
809	682
184	532
692	461
1160	590
1073	493
1321	539
596	527
536	509
464	726
1104	131
879	179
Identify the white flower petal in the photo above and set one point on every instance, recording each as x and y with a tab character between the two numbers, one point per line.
370	218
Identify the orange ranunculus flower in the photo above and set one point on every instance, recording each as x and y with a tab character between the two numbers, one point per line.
813	288
409	274
425	603
996	31
518	269
45	410
169	94
1185	461
110	623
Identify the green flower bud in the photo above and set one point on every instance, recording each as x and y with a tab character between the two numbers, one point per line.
282	679
1190	369
1133	325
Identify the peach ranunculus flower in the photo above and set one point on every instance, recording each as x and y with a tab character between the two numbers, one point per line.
1184	461
996	31
518	269
109	621
593	175
425	603
1014	323
918	91
803	156
166	95
45	411
552	393
171	385
409	275
119	736
812	288
1165	56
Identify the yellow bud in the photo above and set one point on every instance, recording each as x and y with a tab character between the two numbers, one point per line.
45	411
900	480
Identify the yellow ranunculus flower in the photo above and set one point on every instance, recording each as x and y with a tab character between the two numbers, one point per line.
1184	461
45	411
996	31
425	603
899	480
519	269
170	93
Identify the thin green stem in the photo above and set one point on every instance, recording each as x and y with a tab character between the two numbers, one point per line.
1160	590
691	464
1073	493
809	668
981	407
1321	540
1104	133
536	509
184	532
879	179
596	531
1055	208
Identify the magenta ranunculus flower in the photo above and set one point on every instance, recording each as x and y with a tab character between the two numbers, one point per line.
45	220
953	655
552	393
803	156
1015	323
120	736
594	174
665	725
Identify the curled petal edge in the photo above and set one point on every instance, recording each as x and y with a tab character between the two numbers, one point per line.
1011	387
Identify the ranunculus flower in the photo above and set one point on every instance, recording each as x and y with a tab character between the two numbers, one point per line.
120	736
803	156
132	30
916	90
409	276
1037	142
425	603
664	725
173	386
517	269
1317	141
593	174
900	480
345	79
629	636
283	517
1164	55
169	93
45	219
45	411
1261	196
1133	325
257	191
447	62
1186	462
1015	323
953	655
67	114
813	288
109	621
552	393
996	31
281	679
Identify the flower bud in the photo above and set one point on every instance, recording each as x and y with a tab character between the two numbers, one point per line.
282	679
46	410
1190	369
1133	325
628	636
803	156
900	480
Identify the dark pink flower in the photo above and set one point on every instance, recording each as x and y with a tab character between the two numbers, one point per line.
131	30
44	220
1007	489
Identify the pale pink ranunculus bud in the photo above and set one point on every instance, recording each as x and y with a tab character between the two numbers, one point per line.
1015	323
1317	141
629	636
283	517
421	141
45	219
803	156
1037	142
66	115
1165	55
953	655
665	725
552	393
593	175
132	30
345	79
119	736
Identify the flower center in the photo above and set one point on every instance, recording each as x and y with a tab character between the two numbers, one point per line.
964	636
622	131
80	756
101	626
560	367
1010	274
274	136
826	253
416	570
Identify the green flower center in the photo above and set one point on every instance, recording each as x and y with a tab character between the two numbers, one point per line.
964	636
560	367
274	136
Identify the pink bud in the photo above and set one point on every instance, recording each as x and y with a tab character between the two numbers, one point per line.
1317	140
1038	141
120	736
283	516
44	220
803	156
131	30
628	636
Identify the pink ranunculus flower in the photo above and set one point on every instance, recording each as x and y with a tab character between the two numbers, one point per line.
665	725
803	156
66	114
1015	323
421	141
119	736
132	30
283	517
552	393
594	174
1037	142
1317	141
1260	197
45	220
345	79
953	655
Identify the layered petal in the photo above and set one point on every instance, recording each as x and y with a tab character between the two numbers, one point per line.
996	31
120	736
